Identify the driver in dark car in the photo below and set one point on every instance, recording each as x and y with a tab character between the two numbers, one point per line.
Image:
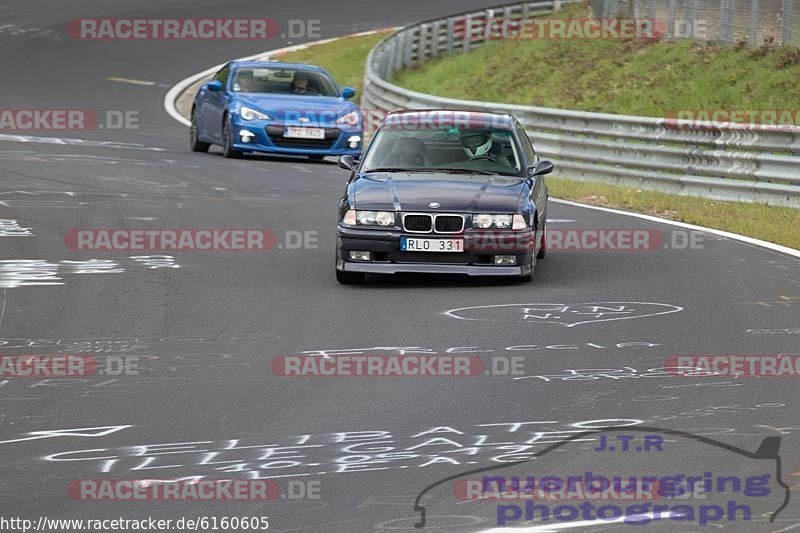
478	145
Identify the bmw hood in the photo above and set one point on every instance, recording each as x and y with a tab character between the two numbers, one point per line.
480	194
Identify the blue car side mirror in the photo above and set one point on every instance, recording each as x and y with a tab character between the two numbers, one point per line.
348	93
215	86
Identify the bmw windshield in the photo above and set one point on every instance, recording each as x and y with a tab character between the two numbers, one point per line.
458	150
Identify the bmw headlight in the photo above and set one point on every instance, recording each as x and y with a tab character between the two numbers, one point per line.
248	113
483	221
503	221
375	218
353	118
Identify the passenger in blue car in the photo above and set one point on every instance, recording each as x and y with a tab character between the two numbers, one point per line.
245	83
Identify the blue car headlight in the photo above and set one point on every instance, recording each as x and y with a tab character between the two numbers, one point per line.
353	118
248	113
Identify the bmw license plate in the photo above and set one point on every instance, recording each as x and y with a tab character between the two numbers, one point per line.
414	244
304	133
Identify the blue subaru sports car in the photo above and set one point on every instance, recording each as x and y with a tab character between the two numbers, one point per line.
273	107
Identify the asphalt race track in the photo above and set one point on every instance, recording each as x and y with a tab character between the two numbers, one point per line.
592	332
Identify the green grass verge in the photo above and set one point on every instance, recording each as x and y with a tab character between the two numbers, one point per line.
345	60
780	225
639	77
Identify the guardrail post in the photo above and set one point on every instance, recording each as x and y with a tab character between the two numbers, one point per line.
786	21
388	67
451	26
407	48
437	27
467	38
612	8
694	7
726	20
401	46
420	41
673	5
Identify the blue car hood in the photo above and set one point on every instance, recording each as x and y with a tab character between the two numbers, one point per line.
287	106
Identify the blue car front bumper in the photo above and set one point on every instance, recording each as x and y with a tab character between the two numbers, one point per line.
269	137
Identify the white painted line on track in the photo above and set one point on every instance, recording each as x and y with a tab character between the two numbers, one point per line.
734	236
129	80
70	141
302	169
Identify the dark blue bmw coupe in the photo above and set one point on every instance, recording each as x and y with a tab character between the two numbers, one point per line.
273	107
443	192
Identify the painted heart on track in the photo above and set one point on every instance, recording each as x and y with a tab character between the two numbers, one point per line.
569	315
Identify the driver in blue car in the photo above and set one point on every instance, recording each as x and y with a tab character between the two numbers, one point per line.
300	84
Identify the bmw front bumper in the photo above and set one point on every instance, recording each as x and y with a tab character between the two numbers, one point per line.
387	258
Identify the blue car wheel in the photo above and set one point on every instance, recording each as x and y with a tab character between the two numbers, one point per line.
195	143
227	140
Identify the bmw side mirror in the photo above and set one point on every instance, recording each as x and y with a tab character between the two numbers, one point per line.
541	168
215	86
348	93
347	162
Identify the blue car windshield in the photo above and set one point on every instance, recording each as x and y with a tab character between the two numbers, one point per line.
479	150
280	80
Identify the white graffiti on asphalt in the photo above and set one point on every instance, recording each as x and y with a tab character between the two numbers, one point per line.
406	350
568	315
338	452
11	228
37	272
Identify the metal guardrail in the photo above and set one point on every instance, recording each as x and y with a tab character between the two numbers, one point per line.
726	21
717	161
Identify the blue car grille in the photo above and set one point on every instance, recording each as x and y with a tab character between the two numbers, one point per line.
275	134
